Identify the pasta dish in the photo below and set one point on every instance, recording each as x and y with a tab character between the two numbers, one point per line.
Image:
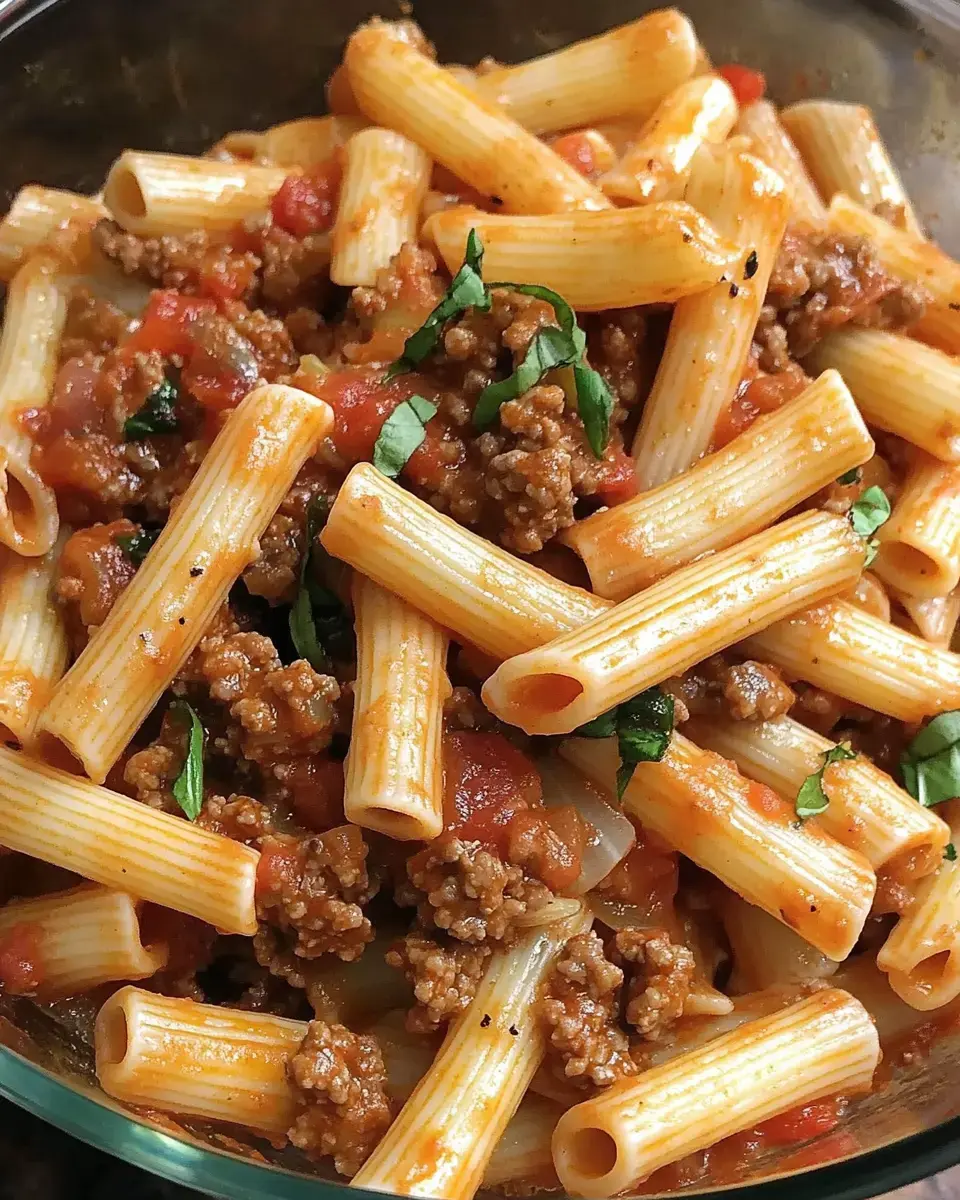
480	573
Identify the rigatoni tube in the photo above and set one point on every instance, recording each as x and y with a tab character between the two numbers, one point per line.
683	619
920	544
33	641
440	1149
656	167
487	597
198	1060
385	177
598	78
122	844
399	87
153	194
394	772
83	938
210	538
817	1047
744	834
868	812
35	215
847	651
306	141
843	151
772	144
35	314
710	333
652	254
764	953
899	384
921	957
780	460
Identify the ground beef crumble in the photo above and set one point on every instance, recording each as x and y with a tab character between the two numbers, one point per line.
240	818
443	973
661	980
745	691
469	891
314	888
339	1080
580	1009
92	572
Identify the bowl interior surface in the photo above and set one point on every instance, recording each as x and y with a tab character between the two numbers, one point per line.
82	79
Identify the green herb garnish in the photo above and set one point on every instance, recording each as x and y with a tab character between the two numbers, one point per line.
320	625
157	415
466	291
642	726
812	799
188	786
854	475
950	852
931	763
137	545
866	517
401	434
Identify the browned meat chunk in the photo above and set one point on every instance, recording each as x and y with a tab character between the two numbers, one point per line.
444	976
661	981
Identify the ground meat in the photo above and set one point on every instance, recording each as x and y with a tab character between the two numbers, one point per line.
267	335
314	887
276	572
295	270
821	281
661	981
745	691
580	1008
93	326
184	262
240	818
281	711
92	572
150	773
444	976
469	891
340	1083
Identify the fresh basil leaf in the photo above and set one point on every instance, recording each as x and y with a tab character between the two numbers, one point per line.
320	626
950	852
188	786
566	318
595	406
136	546
466	291
157	415
854	475
931	763
624	775
811	798
402	433
600	727
550	348
870	511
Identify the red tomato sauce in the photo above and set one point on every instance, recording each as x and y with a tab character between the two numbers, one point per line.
307	203
576	149
487	781
748	85
21	970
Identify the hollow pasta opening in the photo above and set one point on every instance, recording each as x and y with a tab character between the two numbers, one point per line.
126	195
910	563
929	974
113	1036
592	1152
396	825
548	693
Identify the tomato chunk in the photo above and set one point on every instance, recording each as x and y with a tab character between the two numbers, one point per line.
20	970
748	85
307	203
361	403
617	477
576	149
487	781
166	322
804	1122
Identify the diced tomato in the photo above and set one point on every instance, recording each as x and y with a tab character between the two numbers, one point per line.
74	406
226	279
757	394
166	322
804	1122
307	203
487	781
748	85
617	477
550	844
20	970
577	150
648	876
280	865
361	402
213	383
315	785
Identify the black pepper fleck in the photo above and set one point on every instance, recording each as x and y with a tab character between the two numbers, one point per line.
751	266
955	306
485	1023
514	1031
734	290
196	572
687	237
181	620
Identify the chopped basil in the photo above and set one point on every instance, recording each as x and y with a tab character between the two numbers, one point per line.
157	415
866	517
466	291
931	763
950	852
320	626
854	475
188	786
643	727
402	433
549	349
812	799
136	545
595	405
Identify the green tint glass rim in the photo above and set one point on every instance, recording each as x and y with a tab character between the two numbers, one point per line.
222	1174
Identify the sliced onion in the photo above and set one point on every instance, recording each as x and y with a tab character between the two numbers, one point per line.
560	908
618	915
613	835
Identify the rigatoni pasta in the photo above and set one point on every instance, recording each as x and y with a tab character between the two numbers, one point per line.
771	143
36	215
920	545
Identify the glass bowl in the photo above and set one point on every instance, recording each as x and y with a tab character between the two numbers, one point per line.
82	79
